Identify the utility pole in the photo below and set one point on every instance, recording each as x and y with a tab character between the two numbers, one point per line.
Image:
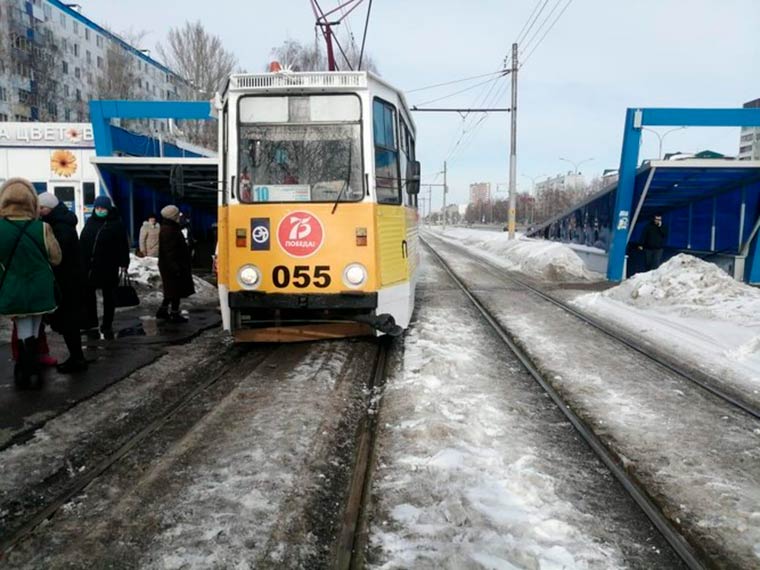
445	190
513	149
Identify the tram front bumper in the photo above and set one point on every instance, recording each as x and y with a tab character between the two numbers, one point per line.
251	300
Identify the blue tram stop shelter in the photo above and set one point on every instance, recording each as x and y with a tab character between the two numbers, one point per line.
143	174
710	204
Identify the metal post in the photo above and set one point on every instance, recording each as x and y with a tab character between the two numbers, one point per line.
513	148
445	190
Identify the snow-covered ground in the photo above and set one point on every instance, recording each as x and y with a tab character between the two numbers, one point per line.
477	469
691	308
697	456
688	308
143	271
541	259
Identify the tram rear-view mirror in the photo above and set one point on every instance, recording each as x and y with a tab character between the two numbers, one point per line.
413	180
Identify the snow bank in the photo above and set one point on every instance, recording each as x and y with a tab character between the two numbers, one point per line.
688	286
692	309
143	271
546	260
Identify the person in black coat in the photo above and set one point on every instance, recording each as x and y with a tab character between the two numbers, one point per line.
105	250
653	242
69	278
174	265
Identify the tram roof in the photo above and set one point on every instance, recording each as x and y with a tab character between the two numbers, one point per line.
309	81
200	174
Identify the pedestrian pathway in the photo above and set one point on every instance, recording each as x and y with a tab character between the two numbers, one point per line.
139	341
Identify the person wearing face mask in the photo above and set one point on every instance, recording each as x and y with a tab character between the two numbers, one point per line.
105	250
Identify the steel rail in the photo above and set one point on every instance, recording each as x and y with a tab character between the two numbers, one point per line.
78	484
352	535
679	544
689	376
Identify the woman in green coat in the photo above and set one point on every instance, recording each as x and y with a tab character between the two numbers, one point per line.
28	248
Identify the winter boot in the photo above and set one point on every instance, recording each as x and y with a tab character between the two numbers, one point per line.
177	318
20	376
30	360
162	313
73	365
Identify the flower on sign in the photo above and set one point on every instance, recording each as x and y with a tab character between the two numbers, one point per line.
63	163
74	135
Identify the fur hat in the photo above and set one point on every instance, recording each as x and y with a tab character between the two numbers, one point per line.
103	202
47	200
18	199
170	212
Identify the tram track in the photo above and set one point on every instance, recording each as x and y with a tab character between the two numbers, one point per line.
20	529
649	507
327	506
703	381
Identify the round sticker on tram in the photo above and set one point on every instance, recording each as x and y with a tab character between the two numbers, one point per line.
300	234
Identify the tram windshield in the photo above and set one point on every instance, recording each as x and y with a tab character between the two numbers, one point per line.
300	149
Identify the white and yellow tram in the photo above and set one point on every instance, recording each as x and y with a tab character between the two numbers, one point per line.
318	218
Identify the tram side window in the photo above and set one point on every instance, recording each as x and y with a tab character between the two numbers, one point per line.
387	184
407	159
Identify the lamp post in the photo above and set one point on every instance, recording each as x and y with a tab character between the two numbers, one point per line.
532	194
575	168
661	137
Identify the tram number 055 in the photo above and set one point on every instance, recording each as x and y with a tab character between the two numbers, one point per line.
302	276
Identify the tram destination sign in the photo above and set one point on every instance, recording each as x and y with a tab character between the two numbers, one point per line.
47	134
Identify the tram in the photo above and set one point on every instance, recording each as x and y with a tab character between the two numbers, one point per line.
318	222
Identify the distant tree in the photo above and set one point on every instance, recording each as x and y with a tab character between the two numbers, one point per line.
200	58
119	78
303	57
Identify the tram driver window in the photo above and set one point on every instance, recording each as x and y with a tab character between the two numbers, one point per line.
387	184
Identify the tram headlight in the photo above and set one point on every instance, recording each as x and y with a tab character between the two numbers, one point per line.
354	275
249	276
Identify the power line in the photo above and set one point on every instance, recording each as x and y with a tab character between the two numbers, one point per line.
455	81
540	28
535	19
546	33
458	92
519	36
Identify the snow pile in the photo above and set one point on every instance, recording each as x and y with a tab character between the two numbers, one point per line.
546	260
143	271
692	309
688	286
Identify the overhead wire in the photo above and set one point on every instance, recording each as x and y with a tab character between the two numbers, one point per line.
470	88
546	33
540	28
519	35
445	83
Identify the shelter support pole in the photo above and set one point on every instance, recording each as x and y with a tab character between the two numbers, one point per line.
714	216
752	267
629	158
131	190
742	216
691	224
641	202
101	129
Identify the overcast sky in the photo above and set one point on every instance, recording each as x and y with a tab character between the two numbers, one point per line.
601	57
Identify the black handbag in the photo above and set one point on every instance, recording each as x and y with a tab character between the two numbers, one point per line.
125	295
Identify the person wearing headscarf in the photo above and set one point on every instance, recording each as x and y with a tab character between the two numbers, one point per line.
70	278
105	250
149	232
28	249
174	266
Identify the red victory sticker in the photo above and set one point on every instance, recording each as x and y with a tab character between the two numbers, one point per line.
300	234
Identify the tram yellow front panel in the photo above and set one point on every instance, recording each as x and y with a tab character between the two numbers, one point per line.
300	248
392	247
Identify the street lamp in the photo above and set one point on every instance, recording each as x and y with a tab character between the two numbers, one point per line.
662	136
533	182
576	164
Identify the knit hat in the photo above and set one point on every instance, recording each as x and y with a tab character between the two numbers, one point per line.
47	200
103	202
170	212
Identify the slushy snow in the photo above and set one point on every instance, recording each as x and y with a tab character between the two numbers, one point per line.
143	271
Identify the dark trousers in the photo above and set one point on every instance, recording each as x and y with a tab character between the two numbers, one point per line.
73	342
169	301
109	307
653	258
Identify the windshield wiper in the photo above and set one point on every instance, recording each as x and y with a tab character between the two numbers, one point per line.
348	179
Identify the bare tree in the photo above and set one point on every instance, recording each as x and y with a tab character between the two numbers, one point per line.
200	58
119	79
302	57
